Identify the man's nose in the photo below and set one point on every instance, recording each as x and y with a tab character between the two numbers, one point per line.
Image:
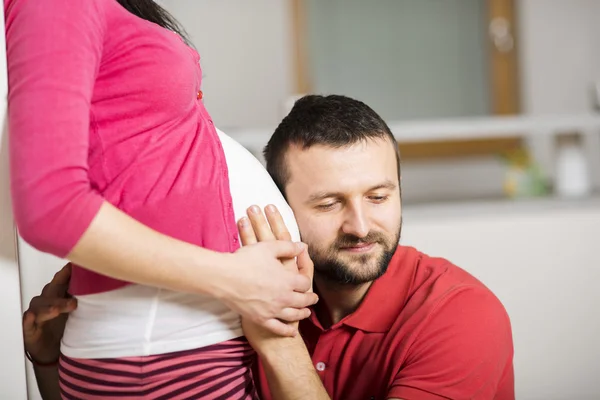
356	222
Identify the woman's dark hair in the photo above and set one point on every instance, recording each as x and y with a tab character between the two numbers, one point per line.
151	11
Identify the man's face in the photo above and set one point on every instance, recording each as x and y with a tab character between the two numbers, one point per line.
347	204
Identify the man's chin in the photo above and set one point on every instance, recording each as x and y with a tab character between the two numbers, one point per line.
359	259
362	272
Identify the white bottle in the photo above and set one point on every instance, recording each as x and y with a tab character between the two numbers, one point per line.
572	173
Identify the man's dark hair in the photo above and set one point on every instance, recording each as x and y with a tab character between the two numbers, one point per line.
334	121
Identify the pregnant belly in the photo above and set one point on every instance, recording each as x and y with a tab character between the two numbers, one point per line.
139	321
251	184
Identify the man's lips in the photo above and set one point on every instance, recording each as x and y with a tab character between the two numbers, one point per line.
359	247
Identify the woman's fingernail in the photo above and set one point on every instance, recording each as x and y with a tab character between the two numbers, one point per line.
244	222
254	210
271	208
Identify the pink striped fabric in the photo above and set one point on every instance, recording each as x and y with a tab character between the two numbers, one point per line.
218	372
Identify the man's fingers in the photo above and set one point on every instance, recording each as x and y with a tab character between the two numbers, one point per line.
46	314
63	276
259	223
280	232
280	328
65	305
59	284
246	232
277	224
305	265
45	309
53	291
293	314
28	323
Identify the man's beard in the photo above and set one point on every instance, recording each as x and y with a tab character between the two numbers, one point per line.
361	268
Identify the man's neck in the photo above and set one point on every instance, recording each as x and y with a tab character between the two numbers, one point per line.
337	301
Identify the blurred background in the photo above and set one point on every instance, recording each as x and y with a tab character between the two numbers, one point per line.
418	64
495	105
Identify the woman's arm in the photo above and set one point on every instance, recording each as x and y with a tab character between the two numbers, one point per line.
251	281
54	50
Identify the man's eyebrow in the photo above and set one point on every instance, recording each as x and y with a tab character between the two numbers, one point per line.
390	185
326	195
322	195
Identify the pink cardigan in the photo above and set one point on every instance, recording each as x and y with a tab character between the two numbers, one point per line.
105	106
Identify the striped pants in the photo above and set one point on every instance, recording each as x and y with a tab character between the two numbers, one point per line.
218	372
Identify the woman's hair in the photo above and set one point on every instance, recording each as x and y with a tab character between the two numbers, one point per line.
151	11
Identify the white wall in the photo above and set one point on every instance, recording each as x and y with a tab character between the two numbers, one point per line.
559	53
371	53
245	55
542	261
12	367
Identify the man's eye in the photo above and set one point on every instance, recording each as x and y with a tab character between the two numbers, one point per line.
379	199
325	207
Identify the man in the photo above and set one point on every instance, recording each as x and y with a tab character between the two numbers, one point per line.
391	323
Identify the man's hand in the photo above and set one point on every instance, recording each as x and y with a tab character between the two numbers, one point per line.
256	228
285	361
45	319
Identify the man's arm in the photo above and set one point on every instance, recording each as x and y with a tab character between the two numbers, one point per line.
290	371
47	381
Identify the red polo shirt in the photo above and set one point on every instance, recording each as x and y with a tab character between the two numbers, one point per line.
425	330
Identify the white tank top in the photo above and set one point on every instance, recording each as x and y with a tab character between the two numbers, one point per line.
139	320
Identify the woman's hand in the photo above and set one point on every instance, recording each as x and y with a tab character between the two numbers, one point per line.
45	319
267	287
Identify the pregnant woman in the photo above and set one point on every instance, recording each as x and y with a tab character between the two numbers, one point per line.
117	167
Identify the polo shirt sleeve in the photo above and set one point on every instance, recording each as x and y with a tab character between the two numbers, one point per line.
54	48
464	350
